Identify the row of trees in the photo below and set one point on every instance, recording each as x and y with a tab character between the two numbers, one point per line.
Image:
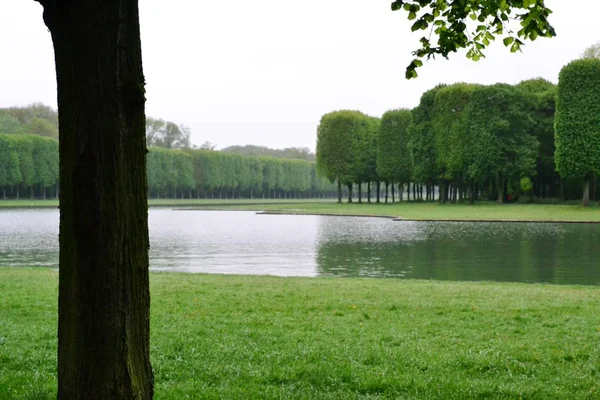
209	173
28	163
29	167
469	140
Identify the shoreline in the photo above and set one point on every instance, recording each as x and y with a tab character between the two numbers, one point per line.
401	219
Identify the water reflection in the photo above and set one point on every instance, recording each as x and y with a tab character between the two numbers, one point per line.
245	243
556	253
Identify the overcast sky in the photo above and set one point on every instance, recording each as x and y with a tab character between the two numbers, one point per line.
264	71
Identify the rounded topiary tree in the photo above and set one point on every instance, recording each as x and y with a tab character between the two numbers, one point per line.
577	122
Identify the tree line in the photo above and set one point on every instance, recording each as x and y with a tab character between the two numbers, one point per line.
203	173
474	142
29	168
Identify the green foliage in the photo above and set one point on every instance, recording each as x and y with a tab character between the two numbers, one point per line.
450	131
421	139
301	153
499	121
339	137
393	157
472	25
37	119
544	96
9	124
577	121
526	184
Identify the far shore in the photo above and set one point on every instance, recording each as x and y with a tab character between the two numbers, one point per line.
399	211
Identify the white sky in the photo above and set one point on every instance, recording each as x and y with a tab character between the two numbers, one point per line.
264	71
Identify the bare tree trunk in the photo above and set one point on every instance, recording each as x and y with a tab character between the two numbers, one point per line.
104	302
369	192
586	193
378	192
349	192
500	188
360	192
339	190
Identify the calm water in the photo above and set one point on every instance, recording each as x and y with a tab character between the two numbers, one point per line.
246	243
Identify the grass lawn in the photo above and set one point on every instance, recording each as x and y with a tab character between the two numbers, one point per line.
416	211
434	211
233	337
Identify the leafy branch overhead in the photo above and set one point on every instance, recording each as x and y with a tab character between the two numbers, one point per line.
473	25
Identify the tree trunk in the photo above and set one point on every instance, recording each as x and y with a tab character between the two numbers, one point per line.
499	188
586	192
104	302
378	192
349	192
360	192
339	191
393	193
387	185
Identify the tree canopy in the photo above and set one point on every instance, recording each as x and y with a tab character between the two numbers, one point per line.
472	25
577	121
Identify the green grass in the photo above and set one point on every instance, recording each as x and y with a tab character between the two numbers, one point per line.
435	211
408	210
232	337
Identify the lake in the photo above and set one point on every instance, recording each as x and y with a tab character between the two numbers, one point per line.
238	242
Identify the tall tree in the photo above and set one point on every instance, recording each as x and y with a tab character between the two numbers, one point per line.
577	122
336	148
104	302
547	180
501	143
421	140
393	158
451	135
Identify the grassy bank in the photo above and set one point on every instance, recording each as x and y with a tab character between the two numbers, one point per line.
232	337
433	211
415	211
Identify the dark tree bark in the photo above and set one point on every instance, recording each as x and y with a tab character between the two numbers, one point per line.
349	185
500	187
339	191
378	192
387	185
104	301
360	192
586	193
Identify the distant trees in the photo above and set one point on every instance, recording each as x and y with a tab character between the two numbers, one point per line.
35	118
212	174
29	168
592	52
301	153
161	133
28	162
577	122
